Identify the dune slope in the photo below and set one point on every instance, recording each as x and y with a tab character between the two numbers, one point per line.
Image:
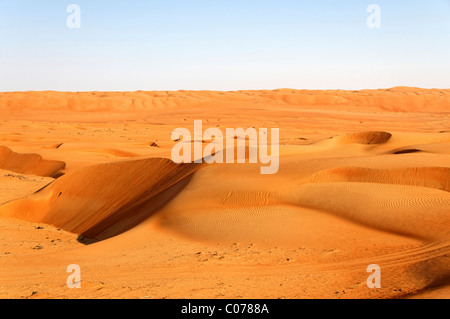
32	164
101	201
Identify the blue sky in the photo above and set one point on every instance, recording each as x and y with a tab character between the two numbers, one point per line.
223	45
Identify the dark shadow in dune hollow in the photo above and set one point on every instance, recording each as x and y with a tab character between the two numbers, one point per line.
132	214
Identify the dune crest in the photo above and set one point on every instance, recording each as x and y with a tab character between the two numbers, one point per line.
366	138
430	177
31	164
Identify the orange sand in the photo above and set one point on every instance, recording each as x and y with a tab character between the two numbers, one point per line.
364	178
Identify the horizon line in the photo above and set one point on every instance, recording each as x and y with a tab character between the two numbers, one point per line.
217	90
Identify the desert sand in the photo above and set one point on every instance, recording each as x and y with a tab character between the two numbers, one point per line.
87	178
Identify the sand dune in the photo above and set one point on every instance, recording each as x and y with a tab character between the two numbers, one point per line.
115	152
364	178
430	177
367	138
399	99
32	164
101	201
412	211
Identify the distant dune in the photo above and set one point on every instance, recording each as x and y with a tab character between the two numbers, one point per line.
398	99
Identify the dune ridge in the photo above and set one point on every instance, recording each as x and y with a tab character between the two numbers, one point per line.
366	138
400	99
32	164
412	211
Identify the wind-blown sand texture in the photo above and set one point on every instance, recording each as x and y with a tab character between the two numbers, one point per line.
87	179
